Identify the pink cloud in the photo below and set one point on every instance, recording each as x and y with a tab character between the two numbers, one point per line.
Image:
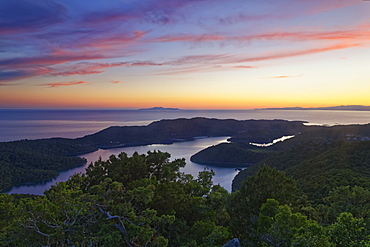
284	76
102	48
298	52
244	67
78	72
212	62
97	68
324	6
191	38
358	34
7	75
187	70
201	63
115	82
112	42
62	84
45	60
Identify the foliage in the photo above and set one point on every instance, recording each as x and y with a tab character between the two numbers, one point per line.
230	155
349	231
278	226
244	204
320	166
355	200
145	200
34	161
142	200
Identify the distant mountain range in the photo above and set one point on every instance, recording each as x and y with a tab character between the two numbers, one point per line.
339	108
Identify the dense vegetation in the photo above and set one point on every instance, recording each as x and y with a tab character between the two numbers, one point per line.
35	161
237	154
170	131
320	166
245	153
144	200
321	199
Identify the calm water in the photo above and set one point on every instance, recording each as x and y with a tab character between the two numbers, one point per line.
185	150
36	124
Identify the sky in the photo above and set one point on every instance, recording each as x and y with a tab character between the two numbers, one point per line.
204	54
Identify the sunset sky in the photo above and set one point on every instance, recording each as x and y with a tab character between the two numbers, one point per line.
210	54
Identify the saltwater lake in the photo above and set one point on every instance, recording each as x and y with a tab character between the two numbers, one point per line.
36	124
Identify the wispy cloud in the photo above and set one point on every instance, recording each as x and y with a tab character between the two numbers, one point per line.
324	6
90	49
97	68
156	12
286	10
191	38
25	16
78	72
11	75
115	82
287	54
284	76
60	42
244	67
44	61
355	34
63	84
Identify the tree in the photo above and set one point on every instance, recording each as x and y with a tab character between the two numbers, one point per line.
349	231
244	204
278	226
355	200
142	200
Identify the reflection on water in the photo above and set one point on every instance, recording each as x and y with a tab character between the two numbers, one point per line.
281	139
178	150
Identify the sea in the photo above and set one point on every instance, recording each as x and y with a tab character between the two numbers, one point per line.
20	124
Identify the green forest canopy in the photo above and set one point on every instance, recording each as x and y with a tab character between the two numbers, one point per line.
144	200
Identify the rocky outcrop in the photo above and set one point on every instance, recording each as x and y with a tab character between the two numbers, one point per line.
233	243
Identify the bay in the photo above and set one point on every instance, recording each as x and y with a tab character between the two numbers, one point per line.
17	124
177	150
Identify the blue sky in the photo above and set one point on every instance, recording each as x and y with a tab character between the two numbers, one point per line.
207	54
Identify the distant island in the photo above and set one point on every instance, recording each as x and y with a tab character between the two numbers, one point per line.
159	109
338	108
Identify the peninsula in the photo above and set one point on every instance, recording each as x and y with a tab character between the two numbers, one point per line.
35	161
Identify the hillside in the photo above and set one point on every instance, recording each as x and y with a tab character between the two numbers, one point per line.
245	153
319	166
35	161
231	155
170	131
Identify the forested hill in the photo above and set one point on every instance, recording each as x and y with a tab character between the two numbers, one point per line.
34	161
319	166
241	153
170	131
